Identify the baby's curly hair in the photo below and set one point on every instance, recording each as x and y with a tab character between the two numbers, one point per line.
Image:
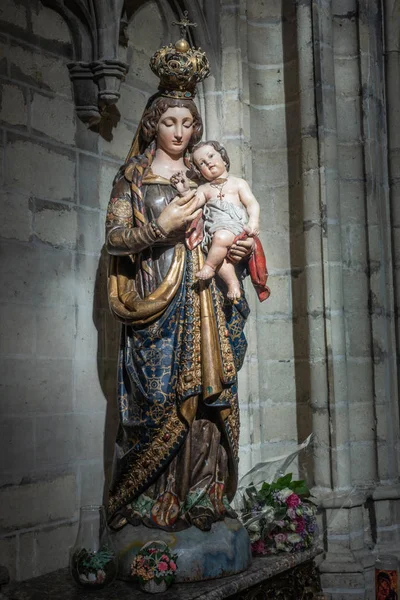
217	147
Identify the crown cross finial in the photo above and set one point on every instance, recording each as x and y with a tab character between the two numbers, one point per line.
184	24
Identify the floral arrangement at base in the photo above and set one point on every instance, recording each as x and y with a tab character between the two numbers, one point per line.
94	569
154	566
279	516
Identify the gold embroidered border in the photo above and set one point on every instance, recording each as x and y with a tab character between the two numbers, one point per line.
228	362
233	420
190	375
142	468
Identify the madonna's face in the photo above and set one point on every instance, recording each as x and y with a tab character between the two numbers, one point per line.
174	130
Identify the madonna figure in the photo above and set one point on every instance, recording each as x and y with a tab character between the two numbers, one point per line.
182	341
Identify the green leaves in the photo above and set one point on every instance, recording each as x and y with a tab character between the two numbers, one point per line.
94	561
265	494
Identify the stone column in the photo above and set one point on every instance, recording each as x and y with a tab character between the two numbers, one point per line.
272	101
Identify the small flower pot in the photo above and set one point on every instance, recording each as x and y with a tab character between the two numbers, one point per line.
152	587
154	566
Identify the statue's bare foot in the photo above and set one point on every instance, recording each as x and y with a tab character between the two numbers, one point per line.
207	272
234	291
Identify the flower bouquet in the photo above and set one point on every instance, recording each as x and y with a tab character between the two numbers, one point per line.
155	567
279	516
94	569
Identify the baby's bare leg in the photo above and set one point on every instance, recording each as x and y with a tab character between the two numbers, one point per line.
228	274
221	242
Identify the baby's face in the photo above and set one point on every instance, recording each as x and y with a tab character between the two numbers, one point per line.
210	163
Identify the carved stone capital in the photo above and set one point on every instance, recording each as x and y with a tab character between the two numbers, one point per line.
85	92
108	75
96	72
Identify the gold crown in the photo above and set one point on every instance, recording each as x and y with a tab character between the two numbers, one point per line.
180	67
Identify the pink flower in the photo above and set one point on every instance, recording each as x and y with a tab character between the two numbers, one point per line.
280	538
165	557
291	513
293	501
258	547
100	576
162	566
172	565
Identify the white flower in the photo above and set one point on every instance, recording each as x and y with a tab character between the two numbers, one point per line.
283	494
254	531
281	546
268	513
254	537
293	538
308	510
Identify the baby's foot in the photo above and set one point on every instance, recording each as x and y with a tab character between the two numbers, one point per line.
234	291
207	272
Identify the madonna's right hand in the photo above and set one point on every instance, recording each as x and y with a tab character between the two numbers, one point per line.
179	213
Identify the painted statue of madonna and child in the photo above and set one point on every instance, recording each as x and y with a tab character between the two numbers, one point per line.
179	252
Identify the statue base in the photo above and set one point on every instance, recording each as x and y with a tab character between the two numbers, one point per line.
223	551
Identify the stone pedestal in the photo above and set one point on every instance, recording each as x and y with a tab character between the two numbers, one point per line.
285	576
225	550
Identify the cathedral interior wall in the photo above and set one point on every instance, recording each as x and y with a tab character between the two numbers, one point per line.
322	350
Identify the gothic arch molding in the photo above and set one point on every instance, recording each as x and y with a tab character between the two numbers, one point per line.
98	27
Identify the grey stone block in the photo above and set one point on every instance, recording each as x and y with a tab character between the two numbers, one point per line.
17	330
17	448
63	439
8	555
89	181
56	332
13	107
3	55
42	17
91	483
107	173
36	385
90	232
32	504
16	221
40	170
50	550
13	13
53	117
121	142
55	224
40	70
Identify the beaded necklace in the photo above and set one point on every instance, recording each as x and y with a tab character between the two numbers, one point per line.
218	184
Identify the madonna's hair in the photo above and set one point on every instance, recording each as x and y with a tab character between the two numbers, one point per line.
218	147
159	107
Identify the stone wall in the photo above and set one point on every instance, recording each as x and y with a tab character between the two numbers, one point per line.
58	341
301	97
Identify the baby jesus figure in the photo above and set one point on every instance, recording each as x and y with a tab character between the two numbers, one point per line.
229	209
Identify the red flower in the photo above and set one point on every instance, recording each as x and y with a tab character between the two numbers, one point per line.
258	547
162	566
300	525
172	565
293	501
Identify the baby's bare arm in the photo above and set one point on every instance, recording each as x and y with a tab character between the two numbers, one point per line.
201	196
248	199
